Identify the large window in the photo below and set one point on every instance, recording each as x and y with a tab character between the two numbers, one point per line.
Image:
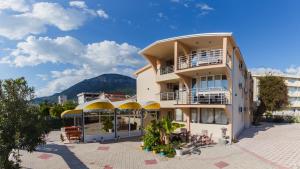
209	82
224	82
220	116
194	116
207	115
178	115
203	84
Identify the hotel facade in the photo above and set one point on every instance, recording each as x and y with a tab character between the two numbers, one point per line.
293	84
199	80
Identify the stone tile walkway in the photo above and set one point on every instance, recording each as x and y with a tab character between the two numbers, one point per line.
265	147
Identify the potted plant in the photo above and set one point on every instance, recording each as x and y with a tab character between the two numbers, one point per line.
178	149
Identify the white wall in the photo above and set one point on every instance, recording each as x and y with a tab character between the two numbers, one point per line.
238	95
147	88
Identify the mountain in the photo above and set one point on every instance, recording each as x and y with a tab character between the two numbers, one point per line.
103	83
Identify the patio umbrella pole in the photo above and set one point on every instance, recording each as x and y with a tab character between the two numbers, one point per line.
115	126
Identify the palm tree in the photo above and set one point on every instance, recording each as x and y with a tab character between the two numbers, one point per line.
167	127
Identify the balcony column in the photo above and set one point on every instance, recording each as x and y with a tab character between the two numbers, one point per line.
225	50
175	56
186	52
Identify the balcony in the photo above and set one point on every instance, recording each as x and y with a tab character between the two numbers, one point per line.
167	96
166	70
200	58
213	96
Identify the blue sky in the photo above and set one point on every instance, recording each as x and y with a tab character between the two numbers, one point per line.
55	44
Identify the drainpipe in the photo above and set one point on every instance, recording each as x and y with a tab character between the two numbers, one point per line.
232	89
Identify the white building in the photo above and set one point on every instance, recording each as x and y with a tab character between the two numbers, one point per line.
62	99
293	84
85	97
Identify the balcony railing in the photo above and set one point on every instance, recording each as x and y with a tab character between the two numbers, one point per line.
165	96
166	70
204	97
201	58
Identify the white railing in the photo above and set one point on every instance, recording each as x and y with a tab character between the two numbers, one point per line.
197	96
201	58
166	70
165	96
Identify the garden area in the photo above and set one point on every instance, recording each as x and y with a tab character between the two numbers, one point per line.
165	138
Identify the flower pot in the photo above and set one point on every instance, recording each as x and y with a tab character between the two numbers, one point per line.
147	149
162	154
110	130
179	152
142	143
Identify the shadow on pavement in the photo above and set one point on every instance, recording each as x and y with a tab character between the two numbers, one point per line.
63	151
254	130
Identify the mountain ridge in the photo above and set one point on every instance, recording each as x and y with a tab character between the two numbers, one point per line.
108	83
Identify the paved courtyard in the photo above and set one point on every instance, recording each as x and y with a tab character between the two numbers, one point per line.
266	147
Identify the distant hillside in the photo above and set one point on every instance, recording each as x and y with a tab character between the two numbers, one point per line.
103	83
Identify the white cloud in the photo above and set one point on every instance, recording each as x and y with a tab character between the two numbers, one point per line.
292	70
79	4
18	26
35	18
15	5
102	14
205	8
87	60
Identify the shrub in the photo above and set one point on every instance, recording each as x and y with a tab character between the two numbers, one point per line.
278	119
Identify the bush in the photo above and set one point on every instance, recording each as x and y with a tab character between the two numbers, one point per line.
295	119
278	119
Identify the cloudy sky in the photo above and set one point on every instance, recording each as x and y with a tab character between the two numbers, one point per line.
56	43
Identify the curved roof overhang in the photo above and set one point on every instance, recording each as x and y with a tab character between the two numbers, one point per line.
127	105
71	113
151	105
167	42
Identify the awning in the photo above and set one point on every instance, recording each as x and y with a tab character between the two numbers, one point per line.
98	104
151	105
127	104
71	113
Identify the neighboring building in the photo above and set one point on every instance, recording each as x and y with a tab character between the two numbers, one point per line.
86	97
62	99
200	80
293	84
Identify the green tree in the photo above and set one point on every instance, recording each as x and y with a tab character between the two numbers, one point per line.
22	127
69	105
273	94
56	110
45	108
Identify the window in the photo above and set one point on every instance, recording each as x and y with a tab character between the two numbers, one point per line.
218	82
207	115
203	84
194	116
220	117
224	82
210	82
178	115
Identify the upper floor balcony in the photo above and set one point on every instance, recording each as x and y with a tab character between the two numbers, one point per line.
166	70
215	96
201	57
